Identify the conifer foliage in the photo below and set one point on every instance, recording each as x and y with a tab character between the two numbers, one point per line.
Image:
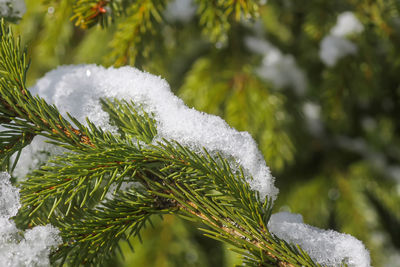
172	178
314	82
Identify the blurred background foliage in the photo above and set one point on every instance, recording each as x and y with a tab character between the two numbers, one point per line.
330	134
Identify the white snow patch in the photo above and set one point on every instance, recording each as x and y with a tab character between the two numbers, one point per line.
258	45
18	249
180	10
312	113
335	46
77	89
12	8
125	186
33	155
326	247
9	197
276	67
347	24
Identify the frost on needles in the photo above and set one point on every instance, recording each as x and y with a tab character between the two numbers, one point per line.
77	90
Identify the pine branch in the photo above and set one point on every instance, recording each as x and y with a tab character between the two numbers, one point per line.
217	16
12	142
211	200
101	230
129	121
142	18
88	13
71	191
20	110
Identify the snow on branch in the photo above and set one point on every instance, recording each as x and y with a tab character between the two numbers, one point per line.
31	248
78	89
326	247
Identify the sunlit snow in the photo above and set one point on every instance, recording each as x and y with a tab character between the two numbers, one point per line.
326	247
77	90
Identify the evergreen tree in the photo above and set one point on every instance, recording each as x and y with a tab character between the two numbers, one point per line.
321	102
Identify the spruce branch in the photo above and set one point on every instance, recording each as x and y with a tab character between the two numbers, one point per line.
101	229
20	110
129	121
12	142
87	13
141	20
73	191
217	17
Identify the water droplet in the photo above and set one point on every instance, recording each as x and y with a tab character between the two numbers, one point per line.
88	73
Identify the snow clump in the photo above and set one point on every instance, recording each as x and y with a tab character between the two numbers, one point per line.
281	70
347	24
335	45
334	48
180	10
12	8
77	90
312	115
32	248
326	247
